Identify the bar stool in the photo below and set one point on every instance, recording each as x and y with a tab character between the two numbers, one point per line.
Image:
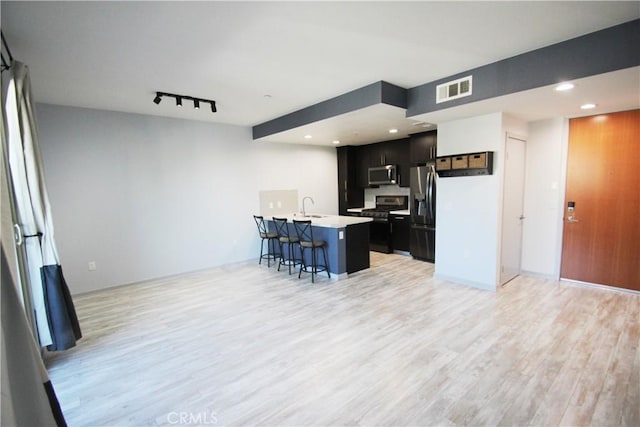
271	238
286	239
305	235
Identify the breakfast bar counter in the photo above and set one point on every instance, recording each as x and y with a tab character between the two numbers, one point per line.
347	240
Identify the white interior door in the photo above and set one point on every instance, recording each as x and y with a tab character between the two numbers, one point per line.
512	208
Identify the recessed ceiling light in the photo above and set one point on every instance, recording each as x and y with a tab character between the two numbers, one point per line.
336	142
564	86
307	137
588	106
393	130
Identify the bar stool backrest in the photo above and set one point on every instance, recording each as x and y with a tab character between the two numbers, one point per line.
304	230
262	226
281	227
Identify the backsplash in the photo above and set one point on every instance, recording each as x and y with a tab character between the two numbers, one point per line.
384	190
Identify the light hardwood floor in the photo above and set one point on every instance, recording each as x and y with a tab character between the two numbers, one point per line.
247	345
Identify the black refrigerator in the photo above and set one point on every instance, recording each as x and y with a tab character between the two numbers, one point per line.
422	205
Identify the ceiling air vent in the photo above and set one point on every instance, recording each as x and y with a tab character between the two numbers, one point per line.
453	89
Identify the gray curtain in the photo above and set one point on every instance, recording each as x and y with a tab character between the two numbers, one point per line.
28	398
55	317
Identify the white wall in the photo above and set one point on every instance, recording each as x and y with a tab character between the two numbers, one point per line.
147	197
544	196
469	209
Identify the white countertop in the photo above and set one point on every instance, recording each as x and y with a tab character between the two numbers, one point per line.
329	221
355	210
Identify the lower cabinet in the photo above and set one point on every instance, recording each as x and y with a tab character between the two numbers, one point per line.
357	247
400	232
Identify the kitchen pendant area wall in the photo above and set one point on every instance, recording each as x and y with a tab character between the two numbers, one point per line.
146	197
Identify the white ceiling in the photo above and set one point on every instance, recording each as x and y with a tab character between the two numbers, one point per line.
116	55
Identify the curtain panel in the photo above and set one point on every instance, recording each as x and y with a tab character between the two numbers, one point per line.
56	321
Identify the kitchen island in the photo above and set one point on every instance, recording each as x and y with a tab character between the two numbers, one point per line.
347	240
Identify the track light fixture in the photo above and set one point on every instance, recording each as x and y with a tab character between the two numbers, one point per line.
179	98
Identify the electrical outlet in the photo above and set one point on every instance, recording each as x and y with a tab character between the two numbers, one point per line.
92	266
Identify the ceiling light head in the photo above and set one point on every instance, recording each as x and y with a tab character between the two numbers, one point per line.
393	130
213	106
196	104
336	142
588	106
157	99
308	137
564	86
179	101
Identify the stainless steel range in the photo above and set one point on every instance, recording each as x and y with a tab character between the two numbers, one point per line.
380	229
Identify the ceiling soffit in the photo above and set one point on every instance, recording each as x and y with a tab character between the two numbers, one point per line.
376	93
611	49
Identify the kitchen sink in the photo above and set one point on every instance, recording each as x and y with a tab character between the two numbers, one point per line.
315	216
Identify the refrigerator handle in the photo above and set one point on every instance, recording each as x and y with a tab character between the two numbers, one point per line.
429	196
432	204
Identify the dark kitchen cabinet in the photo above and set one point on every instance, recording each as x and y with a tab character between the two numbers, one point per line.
351	195
357	245
389	152
363	163
394	152
400	157
423	147
400	232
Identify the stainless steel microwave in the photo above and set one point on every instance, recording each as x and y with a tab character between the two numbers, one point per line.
383	175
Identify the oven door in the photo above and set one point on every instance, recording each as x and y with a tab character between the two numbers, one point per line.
380	235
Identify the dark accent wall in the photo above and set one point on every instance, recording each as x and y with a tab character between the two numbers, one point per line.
603	51
611	49
376	93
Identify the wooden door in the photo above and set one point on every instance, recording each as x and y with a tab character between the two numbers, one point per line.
601	241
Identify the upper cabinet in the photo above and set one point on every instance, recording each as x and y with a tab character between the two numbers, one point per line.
423	147
381	154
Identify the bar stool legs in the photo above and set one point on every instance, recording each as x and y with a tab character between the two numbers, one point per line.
305	236
271	239
314	267
286	239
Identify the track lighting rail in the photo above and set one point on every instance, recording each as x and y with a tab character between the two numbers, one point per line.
180	98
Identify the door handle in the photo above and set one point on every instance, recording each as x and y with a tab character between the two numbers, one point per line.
571	218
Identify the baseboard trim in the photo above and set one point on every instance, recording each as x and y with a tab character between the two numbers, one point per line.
464	282
608	288
536	275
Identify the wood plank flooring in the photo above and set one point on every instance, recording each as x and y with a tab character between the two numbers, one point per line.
390	346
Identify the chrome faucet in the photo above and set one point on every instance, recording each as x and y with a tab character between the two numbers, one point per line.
304	212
